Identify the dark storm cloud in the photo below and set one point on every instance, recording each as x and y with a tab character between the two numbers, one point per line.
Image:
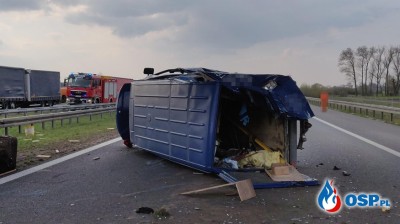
228	23
132	18
18	5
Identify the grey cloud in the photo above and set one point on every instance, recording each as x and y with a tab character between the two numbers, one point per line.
131	18
239	25
229	24
130	26
21	5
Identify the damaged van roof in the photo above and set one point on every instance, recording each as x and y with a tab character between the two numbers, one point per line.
280	92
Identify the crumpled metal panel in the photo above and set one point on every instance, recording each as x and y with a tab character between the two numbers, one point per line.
281	92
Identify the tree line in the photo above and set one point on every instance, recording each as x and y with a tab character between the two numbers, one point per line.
372	70
315	90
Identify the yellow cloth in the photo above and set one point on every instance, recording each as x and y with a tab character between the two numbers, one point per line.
261	159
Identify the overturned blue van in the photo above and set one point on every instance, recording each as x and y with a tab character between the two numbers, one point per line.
209	120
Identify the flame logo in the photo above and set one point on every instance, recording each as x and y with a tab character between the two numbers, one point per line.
329	199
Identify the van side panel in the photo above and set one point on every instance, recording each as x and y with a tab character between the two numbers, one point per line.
176	120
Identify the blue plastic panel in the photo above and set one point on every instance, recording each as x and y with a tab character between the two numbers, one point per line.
177	121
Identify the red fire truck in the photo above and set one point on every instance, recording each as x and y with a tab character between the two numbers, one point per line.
91	88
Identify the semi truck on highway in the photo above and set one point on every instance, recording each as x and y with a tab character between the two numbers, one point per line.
91	88
21	87
218	122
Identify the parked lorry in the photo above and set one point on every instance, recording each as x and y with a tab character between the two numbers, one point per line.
21	87
217	122
91	88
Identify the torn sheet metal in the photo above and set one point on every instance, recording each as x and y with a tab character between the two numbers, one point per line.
281	92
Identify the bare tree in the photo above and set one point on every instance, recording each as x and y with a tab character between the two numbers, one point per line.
387	60
396	69
378	67
347	65
372	73
362	55
371	54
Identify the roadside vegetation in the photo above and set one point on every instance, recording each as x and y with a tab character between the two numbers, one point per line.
373	74
49	143
346	93
372	70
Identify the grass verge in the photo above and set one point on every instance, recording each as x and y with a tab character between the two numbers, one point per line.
387	118
72	135
393	101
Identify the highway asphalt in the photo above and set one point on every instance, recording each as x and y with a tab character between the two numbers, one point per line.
107	185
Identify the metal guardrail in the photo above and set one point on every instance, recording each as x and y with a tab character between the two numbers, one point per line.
25	111
360	108
41	118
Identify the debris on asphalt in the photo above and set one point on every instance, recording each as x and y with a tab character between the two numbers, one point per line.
73	141
244	188
280	169
96	158
145	210
43	156
162	213
336	168
346	174
57	151
320	164
386	209
286	173
198	173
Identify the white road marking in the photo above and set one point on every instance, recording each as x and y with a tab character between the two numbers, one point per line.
377	145
54	162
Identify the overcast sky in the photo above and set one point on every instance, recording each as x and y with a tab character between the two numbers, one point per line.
300	38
